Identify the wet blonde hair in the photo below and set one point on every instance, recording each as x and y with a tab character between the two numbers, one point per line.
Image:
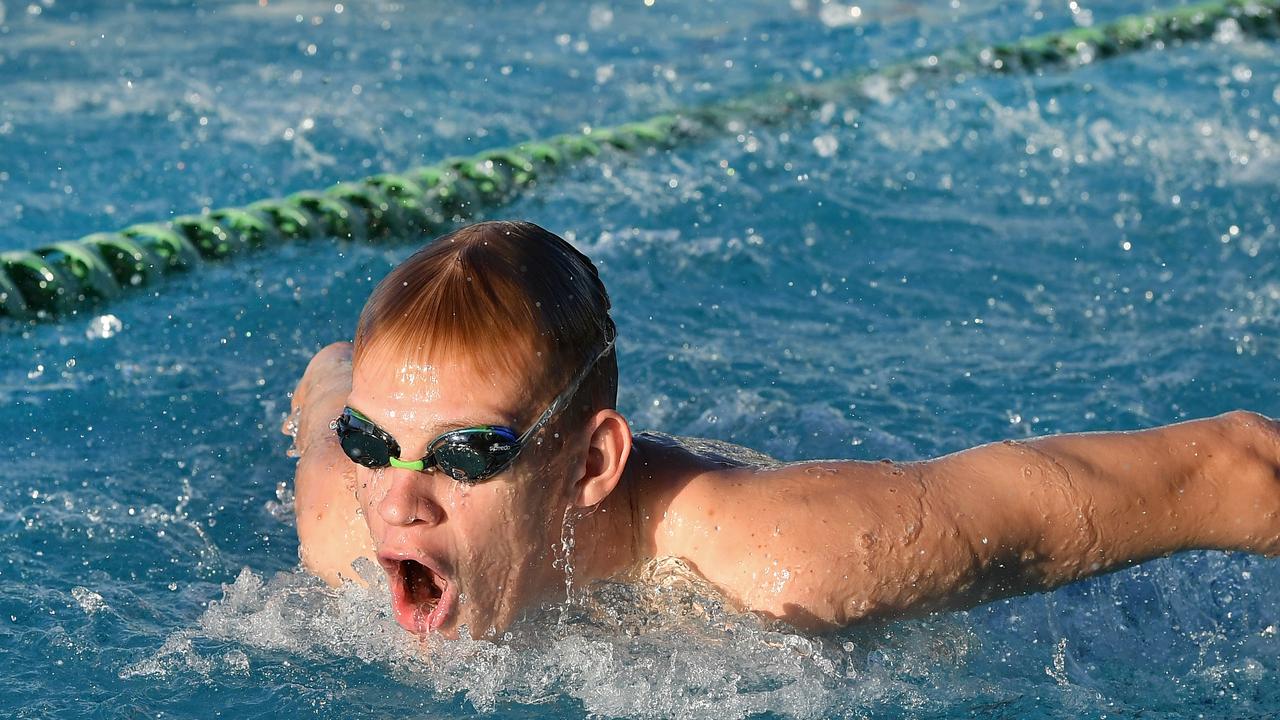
504	297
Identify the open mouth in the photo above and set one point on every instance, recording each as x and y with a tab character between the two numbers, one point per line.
420	596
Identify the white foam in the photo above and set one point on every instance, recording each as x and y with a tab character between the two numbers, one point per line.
661	646
89	601
176	653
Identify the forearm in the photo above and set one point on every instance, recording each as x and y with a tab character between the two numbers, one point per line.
1091	503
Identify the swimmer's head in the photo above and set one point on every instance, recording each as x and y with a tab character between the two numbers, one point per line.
479	330
502	297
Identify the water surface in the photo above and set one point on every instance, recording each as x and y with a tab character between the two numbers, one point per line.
904	277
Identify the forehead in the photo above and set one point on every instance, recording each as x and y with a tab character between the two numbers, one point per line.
428	395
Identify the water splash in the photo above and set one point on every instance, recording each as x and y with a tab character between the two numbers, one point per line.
661	644
564	557
89	601
290	428
282	507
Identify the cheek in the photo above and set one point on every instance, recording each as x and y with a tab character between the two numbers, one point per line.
491	506
500	513
548	469
475	501
537	509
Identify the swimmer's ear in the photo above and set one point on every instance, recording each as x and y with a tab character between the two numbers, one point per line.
607	453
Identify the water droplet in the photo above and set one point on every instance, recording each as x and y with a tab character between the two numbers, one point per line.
826	145
834	14
600	17
103	327
1227	31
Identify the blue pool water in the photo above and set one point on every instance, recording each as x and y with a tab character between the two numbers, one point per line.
898	277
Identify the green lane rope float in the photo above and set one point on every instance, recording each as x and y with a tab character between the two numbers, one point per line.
59	279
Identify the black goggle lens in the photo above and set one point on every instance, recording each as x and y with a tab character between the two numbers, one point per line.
363	443
472	456
461	462
365	449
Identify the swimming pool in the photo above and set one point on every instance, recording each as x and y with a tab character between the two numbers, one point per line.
1001	257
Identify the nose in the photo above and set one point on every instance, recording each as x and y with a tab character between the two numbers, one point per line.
409	499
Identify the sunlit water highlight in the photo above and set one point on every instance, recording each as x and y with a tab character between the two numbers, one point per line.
997	258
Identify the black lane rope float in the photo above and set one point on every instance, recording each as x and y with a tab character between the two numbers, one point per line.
59	279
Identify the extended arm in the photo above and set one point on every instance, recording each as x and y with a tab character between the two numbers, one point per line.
826	544
1014	517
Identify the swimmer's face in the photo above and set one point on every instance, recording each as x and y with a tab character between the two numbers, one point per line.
458	554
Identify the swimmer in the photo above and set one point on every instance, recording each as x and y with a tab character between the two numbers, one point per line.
474	416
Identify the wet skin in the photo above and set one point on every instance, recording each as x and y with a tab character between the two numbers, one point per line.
491	548
819	545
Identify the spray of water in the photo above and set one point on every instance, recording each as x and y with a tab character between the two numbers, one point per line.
660	644
564	557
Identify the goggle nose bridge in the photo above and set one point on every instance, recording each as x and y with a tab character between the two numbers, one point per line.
416	465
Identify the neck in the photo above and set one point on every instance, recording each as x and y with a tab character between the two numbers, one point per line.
616	536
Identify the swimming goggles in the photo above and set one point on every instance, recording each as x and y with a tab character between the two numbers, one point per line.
468	455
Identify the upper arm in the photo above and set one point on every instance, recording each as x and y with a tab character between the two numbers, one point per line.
827	544
882	540
821	545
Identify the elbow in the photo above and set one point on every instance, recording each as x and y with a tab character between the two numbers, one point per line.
1251	444
1254	431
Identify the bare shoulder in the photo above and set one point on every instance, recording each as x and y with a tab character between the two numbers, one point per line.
789	540
331	532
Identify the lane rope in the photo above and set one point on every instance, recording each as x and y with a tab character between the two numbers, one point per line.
58	280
